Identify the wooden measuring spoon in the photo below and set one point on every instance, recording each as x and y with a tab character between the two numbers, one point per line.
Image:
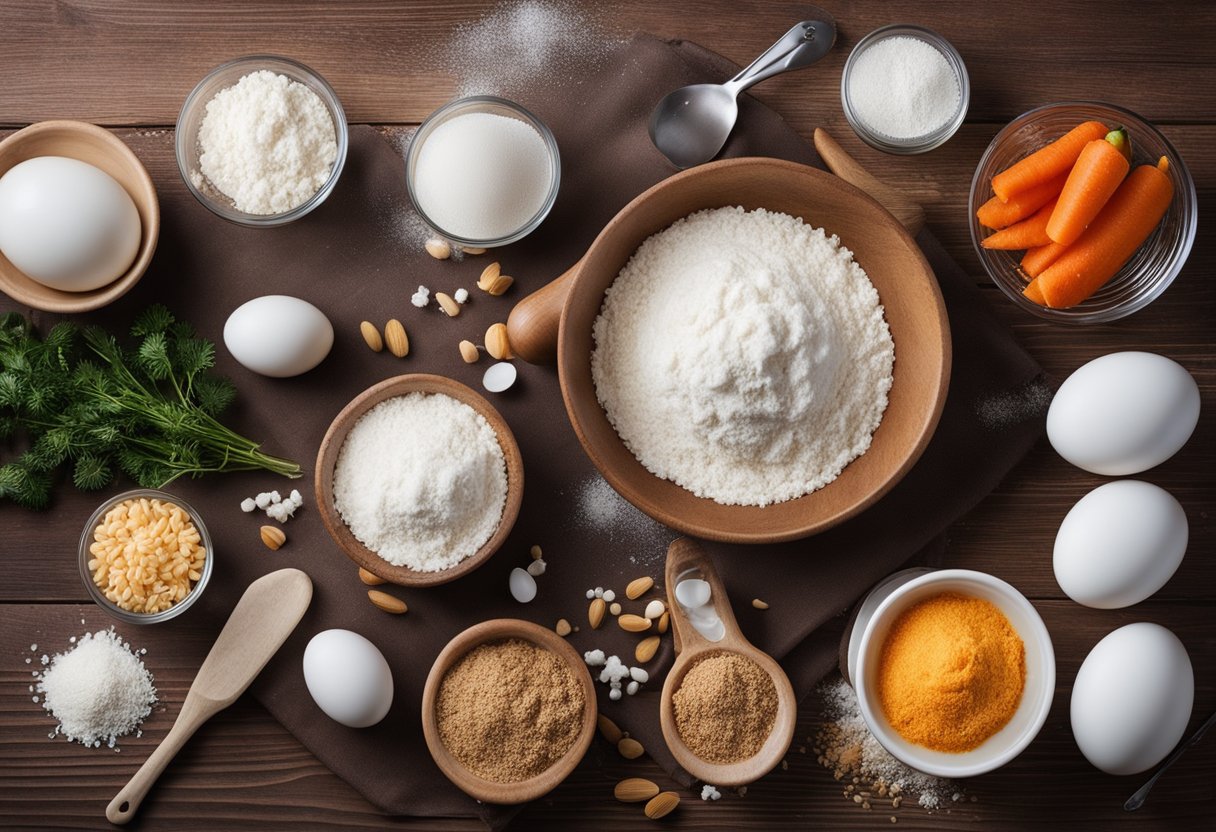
685	559
262	620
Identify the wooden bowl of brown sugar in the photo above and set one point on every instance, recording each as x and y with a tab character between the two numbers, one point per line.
521	685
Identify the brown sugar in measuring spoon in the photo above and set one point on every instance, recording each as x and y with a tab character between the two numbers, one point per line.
686	559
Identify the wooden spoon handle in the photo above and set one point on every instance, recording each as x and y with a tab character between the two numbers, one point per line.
126	803
533	323
683	555
909	213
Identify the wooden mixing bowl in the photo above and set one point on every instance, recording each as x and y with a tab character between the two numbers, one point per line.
102	149
472	784
335	437
906	286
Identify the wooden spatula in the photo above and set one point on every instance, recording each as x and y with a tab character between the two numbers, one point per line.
262	620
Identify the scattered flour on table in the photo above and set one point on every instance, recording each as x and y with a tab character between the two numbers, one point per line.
600	511
421	481
1007	408
99	690
744	356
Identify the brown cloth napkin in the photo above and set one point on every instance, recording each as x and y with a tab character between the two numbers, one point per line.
351	259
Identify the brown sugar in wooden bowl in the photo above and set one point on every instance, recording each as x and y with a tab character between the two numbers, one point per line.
473	784
331	445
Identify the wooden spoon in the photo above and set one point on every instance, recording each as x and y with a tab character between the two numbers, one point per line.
687	556
262	620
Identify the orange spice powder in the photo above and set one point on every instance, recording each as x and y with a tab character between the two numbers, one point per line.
951	672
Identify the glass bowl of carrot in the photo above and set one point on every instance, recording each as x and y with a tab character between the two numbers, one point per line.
1080	236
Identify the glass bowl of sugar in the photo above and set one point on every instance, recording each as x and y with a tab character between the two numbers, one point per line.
483	172
261	140
904	89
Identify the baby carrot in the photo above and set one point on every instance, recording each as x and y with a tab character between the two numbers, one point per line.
1098	171
996	215
1035	260
1028	233
1034	293
1047	162
1119	229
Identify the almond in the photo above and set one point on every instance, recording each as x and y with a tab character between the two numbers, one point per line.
273	537
368	578
372	336
386	602
395	339
638	587
468	351
439	249
664	621
758	604
595	614
614	608
609	730
536	552
449	306
662	805
635	790
646	649
497	344
500	285
473	250
563	627
488	275
633	623
630	748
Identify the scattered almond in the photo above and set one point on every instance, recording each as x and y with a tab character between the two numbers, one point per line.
638	587
473	250
595	614
500	285
372	336
635	790
630	748
662	805
273	537
633	623
563	627
536	552
368	578
608	729
488	275
646	649
395	339
664	622
468	351
386	602
439	249
497	344
758	604
449	306
614	608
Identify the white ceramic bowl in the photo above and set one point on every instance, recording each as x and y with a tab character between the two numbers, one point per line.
1040	687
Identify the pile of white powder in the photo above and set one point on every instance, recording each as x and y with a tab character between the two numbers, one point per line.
268	143
743	356
98	691
421	481
903	88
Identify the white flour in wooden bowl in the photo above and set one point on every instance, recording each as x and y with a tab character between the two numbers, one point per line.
421	481
744	356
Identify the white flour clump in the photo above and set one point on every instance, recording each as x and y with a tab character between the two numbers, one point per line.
743	356
99	690
267	142
421	481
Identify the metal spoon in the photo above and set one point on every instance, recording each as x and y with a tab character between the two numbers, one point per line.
1137	800
690	125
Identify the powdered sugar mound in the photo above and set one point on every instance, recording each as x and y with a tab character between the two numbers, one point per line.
744	356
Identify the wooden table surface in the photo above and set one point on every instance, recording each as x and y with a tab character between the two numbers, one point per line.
128	65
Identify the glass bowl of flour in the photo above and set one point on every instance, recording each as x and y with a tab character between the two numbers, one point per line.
261	140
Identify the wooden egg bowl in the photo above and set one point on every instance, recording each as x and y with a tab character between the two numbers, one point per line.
472	784
102	149
335	437
914	311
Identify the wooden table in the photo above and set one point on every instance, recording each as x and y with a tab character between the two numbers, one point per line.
128	65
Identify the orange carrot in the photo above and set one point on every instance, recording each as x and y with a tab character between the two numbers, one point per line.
1028	233
1098	171
1119	229
996	215
1034	293
1047	162
1035	260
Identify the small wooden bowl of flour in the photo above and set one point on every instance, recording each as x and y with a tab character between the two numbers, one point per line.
463	464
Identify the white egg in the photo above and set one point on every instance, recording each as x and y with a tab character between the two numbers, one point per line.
67	224
1119	544
1123	413
522	585
1132	698
348	678
278	335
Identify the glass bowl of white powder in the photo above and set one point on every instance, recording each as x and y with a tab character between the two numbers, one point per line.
261	140
905	89
482	171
